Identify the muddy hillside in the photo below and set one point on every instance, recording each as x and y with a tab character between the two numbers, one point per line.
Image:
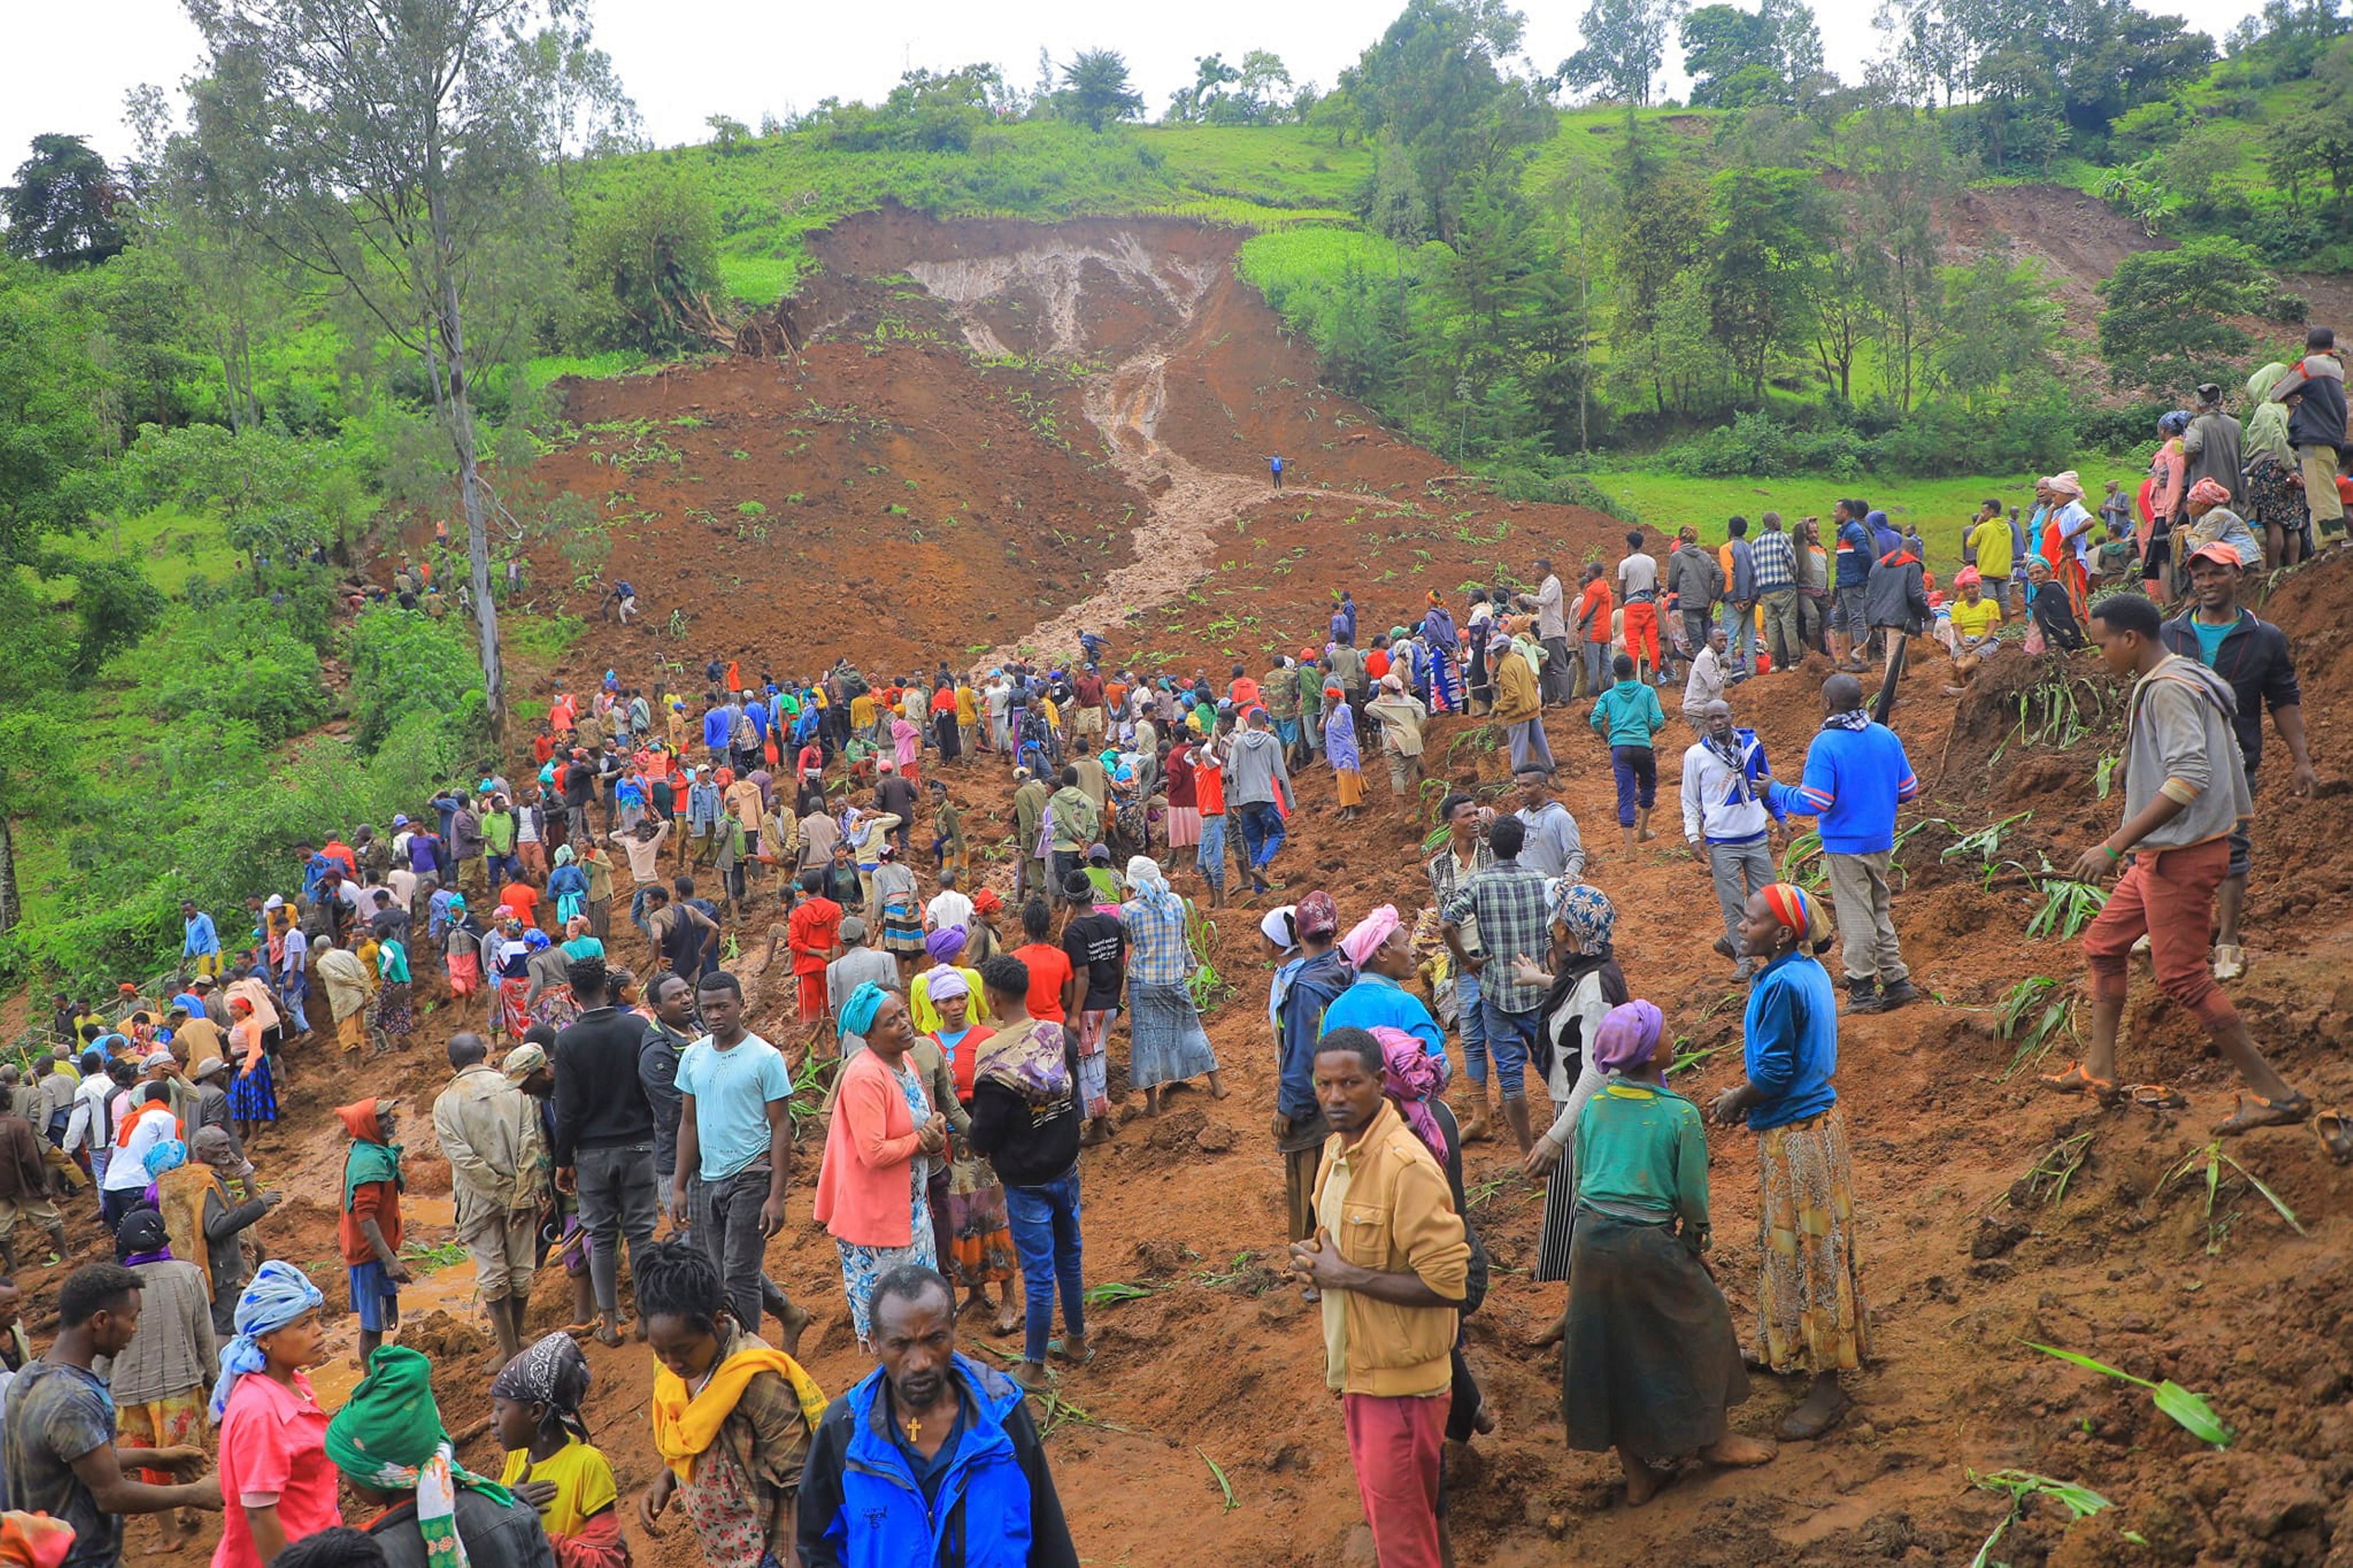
998	434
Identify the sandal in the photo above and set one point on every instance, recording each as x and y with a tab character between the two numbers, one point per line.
2075	1080
2296	1107
1054	1348
2335	1135
2158	1097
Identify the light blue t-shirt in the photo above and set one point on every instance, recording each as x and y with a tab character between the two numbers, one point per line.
2210	638
731	1089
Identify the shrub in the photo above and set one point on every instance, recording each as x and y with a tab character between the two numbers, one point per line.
404	664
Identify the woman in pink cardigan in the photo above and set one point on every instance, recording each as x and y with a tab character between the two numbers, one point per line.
871	1190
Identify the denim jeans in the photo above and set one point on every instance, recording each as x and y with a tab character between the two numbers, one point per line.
1598	679
1211	855
1045	1223
1739	636
1510	1040
1261	832
1636	769
1474	1033
727	1228
501	868
617	1200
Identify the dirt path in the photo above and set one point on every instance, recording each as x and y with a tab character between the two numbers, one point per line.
1187	506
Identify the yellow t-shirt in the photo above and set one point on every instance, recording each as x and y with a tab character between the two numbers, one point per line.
584	1484
1990	540
1975	620
862	710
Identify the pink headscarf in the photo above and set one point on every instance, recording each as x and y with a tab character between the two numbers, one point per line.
1368	933
2208	492
1409	1078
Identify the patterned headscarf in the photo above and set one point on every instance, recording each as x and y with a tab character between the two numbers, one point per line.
388	1438
1628	1033
1317	914
2208	492
1799	909
279	1294
168	1156
553	1373
1586	913
1149	883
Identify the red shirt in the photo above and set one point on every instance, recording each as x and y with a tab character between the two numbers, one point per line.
1089	690
1208	786
1050	971
379	1201
1245	692
522	898
336	849
1598	600
273	1444
543	748
1376	664
813	930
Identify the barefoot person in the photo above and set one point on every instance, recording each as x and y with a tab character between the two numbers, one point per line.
1650	1365
1809	1297
1392	1261
2185	794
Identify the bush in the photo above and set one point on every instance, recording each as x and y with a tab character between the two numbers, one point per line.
404	664
641	259
237	661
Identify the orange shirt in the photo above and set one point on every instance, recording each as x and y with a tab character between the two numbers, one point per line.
813	930
1209	787
1050	971
1376	664
1116	693
1598	600
522	898
378	1201
1245	692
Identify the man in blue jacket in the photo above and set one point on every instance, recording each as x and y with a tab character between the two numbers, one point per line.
1855	554
931	1460
1856	774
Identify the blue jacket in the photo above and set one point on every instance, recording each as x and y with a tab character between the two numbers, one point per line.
1855	554
1308	987
1853	780
1628	714
1376	1000
1790	1040
861	1506
714	728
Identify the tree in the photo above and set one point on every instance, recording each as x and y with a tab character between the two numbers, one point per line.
1898	158
1737	59
2001	322
61	210
729	135
50	437
1431	86
1192	105
1263	91
647	261
1761	256
1095	90
1625	44
391	151
2167	322
279	497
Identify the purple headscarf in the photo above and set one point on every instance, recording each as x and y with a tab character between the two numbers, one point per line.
1628	1036
945	944
1409	1078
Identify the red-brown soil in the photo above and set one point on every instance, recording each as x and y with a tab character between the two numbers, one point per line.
1962	1262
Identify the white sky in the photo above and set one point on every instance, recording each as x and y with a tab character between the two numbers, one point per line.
67	65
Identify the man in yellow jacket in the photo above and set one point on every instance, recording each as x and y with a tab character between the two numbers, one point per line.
1392	1260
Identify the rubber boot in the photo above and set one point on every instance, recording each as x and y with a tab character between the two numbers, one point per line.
1863	995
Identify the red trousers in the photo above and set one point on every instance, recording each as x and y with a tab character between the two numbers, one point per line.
1394	1446
2171	895
1643	634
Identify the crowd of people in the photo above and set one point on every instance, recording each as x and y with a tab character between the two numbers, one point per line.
954	1067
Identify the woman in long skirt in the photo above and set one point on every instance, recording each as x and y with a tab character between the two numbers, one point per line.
1166	1041
878	1151
1650	1365
980	1237
1809	1304
1588	984
902	917
1340	751
395	1015
252	1094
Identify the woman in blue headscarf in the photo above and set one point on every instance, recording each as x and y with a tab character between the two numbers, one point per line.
273	1435
872	1191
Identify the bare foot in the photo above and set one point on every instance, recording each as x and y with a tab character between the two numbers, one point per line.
1554	1334
1735	1451
1007	1322
1643	1484
789	1329
1030	1375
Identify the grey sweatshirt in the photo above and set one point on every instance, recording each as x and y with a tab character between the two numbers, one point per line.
1255	771
2179	740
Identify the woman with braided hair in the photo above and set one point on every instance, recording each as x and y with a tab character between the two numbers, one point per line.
1809	1299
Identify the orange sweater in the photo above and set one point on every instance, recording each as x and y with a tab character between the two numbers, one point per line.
862	1195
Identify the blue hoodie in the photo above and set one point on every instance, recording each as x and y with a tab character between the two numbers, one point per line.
1853	780
861	1505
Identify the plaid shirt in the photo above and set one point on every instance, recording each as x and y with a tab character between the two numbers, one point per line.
1515	919
1775	557
1158	953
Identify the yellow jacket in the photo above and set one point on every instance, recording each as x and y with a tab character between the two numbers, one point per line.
1515	684
1397	1218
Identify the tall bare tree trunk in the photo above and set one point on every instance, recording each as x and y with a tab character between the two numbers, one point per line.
469	475
11	908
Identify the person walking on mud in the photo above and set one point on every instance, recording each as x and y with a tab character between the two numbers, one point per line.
2185	792
1274	468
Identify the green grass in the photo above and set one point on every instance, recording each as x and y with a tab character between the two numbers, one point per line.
761	279
538	372
172	545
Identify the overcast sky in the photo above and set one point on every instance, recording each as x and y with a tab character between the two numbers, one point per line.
69	65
